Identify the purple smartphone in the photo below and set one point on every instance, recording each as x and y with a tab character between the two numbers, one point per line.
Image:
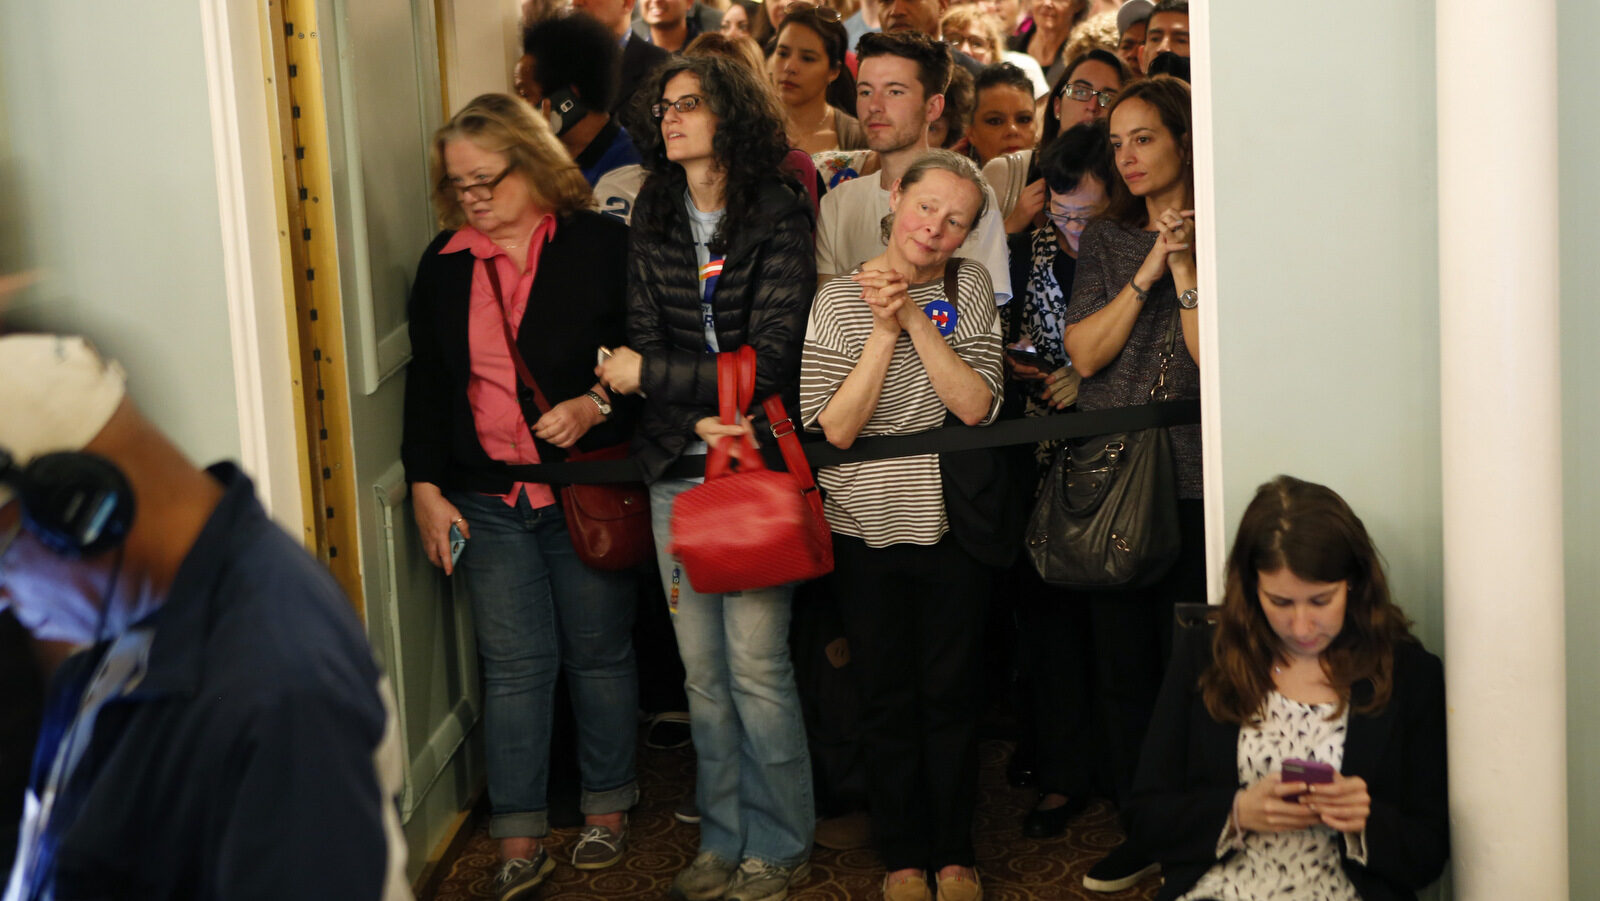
1307	771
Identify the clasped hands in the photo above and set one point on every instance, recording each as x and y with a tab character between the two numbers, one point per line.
886	293
1342	804
1174	247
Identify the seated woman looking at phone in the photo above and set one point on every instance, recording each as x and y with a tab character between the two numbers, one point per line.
1309	673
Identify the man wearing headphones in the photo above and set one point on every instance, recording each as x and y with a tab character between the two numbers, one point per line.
224	731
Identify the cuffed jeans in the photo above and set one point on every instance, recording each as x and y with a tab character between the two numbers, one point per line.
754	788
538	608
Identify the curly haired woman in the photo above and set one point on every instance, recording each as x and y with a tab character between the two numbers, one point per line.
721	257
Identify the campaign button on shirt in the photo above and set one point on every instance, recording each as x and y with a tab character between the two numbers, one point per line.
943	314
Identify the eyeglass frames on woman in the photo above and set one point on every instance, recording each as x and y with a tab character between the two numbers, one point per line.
686	104
1084	92
482	190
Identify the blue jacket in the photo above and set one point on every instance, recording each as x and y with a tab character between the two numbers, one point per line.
241	765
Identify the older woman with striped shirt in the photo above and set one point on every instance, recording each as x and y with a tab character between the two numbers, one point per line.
890	351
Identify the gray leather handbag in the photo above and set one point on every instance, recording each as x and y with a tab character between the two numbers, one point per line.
1108	514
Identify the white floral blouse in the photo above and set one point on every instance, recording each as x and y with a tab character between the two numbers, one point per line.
1303	865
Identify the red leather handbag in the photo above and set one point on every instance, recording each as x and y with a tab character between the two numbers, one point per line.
748	527
609	523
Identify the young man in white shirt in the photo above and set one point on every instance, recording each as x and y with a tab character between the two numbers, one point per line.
899	91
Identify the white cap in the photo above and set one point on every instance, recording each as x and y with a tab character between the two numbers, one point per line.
1131	12
56	394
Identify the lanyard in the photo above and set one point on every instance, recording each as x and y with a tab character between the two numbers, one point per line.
119	672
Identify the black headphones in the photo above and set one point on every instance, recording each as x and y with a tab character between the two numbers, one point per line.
76	504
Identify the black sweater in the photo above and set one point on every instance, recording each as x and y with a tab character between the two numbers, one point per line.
763	296
575	305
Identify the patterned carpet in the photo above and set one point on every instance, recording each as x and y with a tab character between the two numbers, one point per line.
1013	868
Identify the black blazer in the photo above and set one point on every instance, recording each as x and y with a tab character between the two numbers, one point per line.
1188	774
575	305
639	58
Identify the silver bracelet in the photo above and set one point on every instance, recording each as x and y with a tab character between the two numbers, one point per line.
1139	292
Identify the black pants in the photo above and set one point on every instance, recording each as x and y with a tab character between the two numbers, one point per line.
914	617
1099	660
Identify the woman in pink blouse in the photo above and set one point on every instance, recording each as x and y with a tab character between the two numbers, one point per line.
523	269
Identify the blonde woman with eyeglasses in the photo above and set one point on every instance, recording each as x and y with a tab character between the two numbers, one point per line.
519	244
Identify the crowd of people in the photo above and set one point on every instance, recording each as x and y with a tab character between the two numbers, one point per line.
904	217
917	214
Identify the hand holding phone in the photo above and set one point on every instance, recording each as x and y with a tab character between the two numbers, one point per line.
1310	772
458	543
1025	357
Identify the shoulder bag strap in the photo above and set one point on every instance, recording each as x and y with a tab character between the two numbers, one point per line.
952	270
511	342
1160	387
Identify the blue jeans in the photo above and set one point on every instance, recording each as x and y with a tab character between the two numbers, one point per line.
754	789
538	608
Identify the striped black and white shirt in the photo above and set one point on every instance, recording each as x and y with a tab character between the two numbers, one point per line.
899	500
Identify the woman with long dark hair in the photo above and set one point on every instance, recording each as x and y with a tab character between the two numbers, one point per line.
807	65
1309	659
720	257
1133	287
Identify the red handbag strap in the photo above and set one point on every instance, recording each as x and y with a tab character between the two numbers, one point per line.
747	377
794	457
511	340
736	382
727	388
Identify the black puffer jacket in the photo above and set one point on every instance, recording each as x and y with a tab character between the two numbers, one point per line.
762	298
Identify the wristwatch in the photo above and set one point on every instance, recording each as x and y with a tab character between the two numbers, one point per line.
605	408
1189	299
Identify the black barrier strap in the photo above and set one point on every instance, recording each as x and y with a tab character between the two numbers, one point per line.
1029	430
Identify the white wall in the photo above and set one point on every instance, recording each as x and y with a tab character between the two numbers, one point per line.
1580	320
1327	267
110	187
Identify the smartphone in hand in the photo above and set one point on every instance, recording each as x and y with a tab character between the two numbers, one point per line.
458	543
1026	357
1310	772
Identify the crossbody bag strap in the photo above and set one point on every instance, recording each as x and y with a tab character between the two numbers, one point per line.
952	270
794	456
523	374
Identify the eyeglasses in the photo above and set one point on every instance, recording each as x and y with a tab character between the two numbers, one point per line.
825	13
1068	220
1084	92
482	190
686	104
